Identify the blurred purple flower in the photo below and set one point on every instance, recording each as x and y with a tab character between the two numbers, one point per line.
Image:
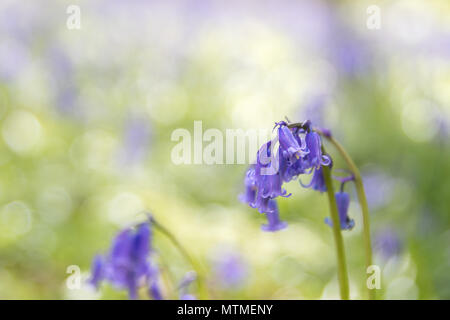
249	196
128	262
306	20
62	80
21	22
379	188
136	140
97	272
348	52
314	108
155	291
387	243
188	278
154	287
14	58
230	269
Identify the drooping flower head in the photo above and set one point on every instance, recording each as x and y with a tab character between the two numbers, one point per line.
315	158
127	265
262	204
291	146
128	260
290	171
263	180
317	181
269	185
342	202
299	151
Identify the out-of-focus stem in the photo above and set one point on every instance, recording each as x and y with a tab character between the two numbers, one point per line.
340	252
195	265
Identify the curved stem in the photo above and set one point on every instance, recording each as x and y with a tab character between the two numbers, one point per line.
192	261
340	252
362	201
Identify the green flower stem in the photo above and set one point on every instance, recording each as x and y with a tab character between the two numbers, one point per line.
362	201
195	265
340	252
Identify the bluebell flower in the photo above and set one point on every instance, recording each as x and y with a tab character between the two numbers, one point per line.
289	145
262	204
128	260
267	172
317	181
342	201
263	180
127	264
315	158
273	219
266	161
300	150
269	186
288	170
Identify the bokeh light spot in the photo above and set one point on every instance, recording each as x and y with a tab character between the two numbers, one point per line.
21	131
15	219
124	207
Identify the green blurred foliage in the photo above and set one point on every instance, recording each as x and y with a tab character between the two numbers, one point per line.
71	177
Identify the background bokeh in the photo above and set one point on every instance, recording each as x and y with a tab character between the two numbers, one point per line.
86	118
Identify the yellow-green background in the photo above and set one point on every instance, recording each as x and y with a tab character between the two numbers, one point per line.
65	189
